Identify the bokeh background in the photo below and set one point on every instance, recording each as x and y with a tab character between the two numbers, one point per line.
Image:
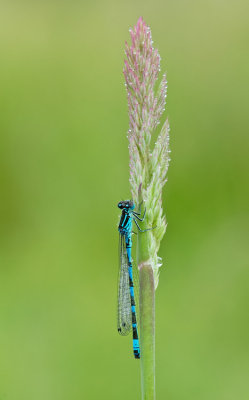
64	167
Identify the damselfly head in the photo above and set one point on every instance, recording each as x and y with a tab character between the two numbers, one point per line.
126	204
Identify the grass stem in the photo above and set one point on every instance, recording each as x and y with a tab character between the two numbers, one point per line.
147	330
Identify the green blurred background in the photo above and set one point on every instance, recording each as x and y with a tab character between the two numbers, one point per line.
64	167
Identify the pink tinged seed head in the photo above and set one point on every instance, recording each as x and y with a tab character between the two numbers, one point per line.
142	66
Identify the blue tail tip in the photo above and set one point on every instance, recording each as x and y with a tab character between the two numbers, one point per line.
136	354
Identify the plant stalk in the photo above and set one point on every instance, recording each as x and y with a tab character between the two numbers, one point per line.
147	330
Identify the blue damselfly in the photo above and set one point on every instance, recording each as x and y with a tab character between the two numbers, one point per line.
127	317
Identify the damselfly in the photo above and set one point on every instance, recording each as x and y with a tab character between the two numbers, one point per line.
127	318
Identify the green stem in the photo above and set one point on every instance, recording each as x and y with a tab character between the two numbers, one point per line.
147	312
147	330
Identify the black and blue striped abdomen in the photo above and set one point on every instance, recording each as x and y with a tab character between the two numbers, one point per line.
136	347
